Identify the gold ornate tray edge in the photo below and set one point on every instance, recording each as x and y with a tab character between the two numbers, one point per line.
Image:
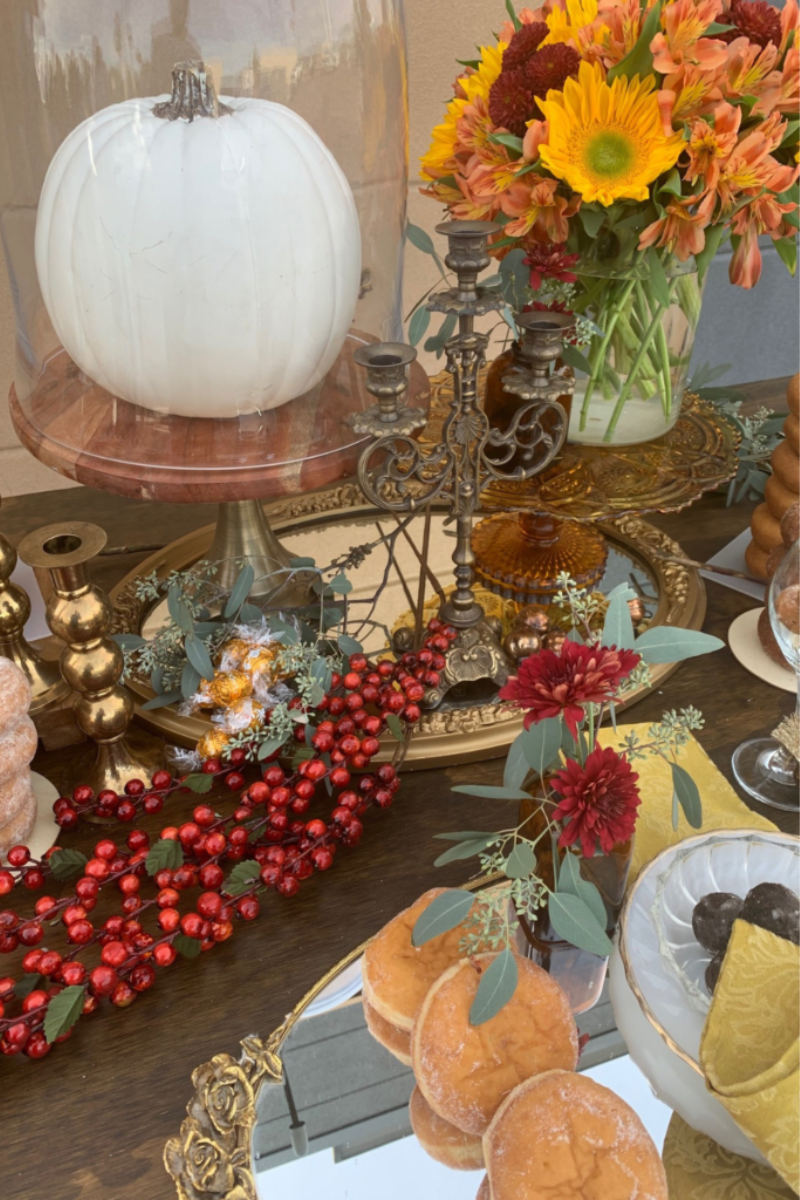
457	735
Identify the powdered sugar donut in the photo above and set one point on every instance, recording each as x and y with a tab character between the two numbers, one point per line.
13	795
442	1141
17	831
17	748
396	1041
15	694
484	1191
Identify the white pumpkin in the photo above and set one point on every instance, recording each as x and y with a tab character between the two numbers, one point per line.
203	267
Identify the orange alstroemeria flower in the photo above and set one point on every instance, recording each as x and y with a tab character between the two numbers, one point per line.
688	93
525	16
711	143
682	42
751	169
763	215
789	101
790	23
751	71
537	209
623	20
682	232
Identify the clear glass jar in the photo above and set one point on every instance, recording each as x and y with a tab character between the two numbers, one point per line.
341	67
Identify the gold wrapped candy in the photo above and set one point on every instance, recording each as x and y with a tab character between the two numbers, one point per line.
237	718
263	659
225	689
231	655
212	744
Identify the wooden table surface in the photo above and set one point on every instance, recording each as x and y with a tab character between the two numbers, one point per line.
90	1122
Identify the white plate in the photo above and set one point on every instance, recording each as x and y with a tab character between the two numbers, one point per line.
747	649
346	985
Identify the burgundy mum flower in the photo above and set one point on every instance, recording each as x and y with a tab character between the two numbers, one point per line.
550	684
511	102
549	262
550	68
525	41
598	801
754	19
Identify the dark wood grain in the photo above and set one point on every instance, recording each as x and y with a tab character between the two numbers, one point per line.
90	1122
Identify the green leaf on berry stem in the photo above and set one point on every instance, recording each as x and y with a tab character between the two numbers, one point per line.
188	947
349	645
67	863
166	855
28	984
200	782
269	747
395	726
63	1011
242	877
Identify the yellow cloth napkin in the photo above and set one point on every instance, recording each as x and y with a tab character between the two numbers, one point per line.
722	808
750	1048
698	1168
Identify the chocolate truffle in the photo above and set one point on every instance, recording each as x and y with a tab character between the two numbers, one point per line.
775	908
712	920
713	970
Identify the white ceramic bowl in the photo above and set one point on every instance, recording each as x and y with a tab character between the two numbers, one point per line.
656	972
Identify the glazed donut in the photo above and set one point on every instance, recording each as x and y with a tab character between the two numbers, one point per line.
778	497
396	1041
396	975
786	465
756	561
17	748
791	431
465	1071
793	395
561	1136
485	1190
443	1141
13	795
766	528
15	694
17	831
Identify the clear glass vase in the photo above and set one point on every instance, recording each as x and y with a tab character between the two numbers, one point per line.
640	352
339	66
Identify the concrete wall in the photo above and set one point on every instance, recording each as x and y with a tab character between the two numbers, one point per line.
757	332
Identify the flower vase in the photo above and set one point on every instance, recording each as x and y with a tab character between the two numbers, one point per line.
645	319
580	973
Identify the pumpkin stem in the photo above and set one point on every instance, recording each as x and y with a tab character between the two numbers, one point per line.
193	95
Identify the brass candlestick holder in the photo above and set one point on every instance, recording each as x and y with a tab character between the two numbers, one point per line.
47	685
80	614
399	475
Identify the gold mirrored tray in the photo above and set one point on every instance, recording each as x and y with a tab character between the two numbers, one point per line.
328	522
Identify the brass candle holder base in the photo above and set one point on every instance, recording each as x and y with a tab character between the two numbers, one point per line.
80	614
47	686
474	660
521	555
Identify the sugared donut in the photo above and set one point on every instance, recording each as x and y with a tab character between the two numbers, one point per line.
397	975
465	1071
440	1139
13	795
786	466
17	748
768	640
485	1190
757	561
793	395
778	498
396	1041
791	431
790	524
17	831
774	560
766	528
562	1136
15	694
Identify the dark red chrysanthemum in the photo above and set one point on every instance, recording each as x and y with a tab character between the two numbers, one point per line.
753	19
511	102
552	685
551	67
522	45
597	801
549	262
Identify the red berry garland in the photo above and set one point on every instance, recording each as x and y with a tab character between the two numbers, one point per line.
269	841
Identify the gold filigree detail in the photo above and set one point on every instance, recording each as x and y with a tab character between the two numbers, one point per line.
128	608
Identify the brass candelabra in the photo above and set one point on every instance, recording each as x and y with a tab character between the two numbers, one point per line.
399	475
47	686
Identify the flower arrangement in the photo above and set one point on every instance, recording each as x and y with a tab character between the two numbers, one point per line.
617	145
583	795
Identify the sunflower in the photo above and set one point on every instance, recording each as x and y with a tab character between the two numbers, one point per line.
607	141
477	84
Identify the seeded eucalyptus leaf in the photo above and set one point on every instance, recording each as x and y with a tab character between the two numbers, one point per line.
571	881
198	656
200	783
491	793
618	626
242	877
349	645
188	947
191	680
575	922
573	635
128	641
166	855
464	850
283	631
179	610
250	613
297	563
269	747
442	914
521	862
542	743
340	585
162	700
465	835
66	862
666	644
573	357
63	1011
517	766
419	238
497	986
240	591
688	795
418	326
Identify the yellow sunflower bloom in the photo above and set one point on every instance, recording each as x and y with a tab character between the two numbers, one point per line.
438	160
607	141
566	24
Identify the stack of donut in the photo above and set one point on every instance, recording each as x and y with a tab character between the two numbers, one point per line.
17	747
503	1094
782	491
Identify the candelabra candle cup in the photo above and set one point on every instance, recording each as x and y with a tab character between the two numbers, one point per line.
386	364
467	252
80	615
46	683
